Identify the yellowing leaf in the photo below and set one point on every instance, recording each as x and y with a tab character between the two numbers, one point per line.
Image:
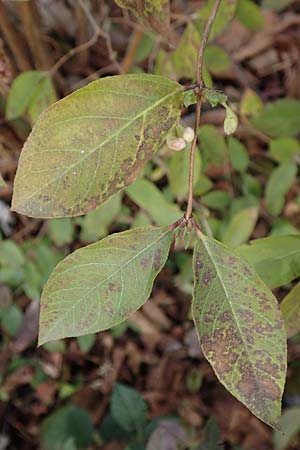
100	285
240	328
93	143
290	308
152	13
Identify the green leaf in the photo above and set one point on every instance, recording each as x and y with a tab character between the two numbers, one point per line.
276	259
61	231
94	143
69	422
278	185
240	328
276	5
216	59
184	58
95	224
213	145
218	200
290	308
154	14
249	14
31	92
128	408
86	342
290	426
43	96
100	285
21	92
215	97
150	199
238	155
12	320
179	172
240	227
279	119
224	16
284	149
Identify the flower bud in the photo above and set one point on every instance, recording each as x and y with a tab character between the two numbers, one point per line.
176	144
188	134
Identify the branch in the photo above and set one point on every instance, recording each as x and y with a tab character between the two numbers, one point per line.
199	91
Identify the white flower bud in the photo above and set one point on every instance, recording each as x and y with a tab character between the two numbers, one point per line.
188	134
176	144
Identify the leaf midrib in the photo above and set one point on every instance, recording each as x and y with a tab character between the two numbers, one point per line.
103	281
108	139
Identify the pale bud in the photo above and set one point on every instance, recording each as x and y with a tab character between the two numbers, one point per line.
188	134
176	144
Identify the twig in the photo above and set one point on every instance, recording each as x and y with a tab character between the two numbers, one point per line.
14	41
29	18
81	35
199	91
86	45
135	40
102	33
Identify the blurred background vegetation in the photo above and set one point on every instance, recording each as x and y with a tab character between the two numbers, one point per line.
145	384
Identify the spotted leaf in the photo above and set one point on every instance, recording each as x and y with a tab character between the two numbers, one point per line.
100	285
153	14
240	328
94	143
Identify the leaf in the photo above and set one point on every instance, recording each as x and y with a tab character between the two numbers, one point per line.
240	227
216	59
238	155
276	5
213	145
149	198
276	259
154	14
279	119
212	436
290	308
231	120
251	104
215	97
95	224
86	342
240	328
2	182
61	231
128	408
284	149
224	16
21	92
218	200
69	422
169	435
249	14
94	143
278	185
31	92
179	172
43	96
290	426
100	285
